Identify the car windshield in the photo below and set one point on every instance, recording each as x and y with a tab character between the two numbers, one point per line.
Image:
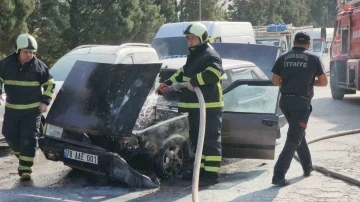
316	47
269	42
171	47
62	67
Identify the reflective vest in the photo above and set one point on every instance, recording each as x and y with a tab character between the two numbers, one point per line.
203	68
23	84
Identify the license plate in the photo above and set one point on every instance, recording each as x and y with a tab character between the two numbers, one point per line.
80	156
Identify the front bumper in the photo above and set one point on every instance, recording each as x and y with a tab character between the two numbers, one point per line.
54	150
109	164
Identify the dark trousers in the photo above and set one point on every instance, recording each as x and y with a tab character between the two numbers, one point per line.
297	111
211	156
20	128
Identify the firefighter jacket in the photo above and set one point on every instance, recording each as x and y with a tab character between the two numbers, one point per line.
203	69
23	84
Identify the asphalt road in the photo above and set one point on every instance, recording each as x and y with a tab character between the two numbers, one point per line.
242	180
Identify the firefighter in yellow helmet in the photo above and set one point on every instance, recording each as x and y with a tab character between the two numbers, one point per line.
203	69
29	90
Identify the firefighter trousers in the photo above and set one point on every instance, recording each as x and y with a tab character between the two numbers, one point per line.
212	151
20	128
297	111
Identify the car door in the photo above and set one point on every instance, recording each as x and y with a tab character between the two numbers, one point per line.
250	123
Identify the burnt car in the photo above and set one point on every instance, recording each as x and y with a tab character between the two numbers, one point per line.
107	112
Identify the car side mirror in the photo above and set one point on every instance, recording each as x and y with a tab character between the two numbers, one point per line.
326	50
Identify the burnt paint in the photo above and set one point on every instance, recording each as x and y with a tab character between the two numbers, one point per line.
102	99
153	138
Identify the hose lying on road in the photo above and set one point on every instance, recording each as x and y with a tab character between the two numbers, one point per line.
201	136
329	172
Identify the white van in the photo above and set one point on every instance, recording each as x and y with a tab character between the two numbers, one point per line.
321	47
169	41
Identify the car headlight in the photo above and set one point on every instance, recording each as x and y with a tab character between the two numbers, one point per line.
53	131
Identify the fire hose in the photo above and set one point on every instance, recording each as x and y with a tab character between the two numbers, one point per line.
201	136
199	148
329	172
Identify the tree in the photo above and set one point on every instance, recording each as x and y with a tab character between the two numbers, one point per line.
151	19
318	12
322	12
210	10
168	10
295	12
47	23
258	12
262	12
331	14
102	22
13	15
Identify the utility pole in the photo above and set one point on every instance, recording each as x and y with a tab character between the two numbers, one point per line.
199	10
327	14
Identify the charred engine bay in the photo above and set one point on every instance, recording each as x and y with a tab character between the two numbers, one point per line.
140	147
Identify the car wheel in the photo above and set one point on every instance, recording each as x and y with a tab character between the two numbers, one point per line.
172	158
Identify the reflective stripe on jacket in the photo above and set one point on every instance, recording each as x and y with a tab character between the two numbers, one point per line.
203	68
26	86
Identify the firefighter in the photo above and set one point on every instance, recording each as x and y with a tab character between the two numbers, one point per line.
203	69
24	76
296	72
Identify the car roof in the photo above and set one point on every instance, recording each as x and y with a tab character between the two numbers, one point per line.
176	63
110	49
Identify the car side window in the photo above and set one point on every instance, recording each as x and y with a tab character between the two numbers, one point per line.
243	75
128	60
153	57
141	57
252	99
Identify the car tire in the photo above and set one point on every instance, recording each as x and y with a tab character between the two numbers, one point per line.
172	158
336	92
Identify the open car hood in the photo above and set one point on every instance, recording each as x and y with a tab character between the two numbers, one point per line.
103	99
262	56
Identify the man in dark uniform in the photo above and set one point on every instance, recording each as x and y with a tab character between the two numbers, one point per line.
24	76
296	72
203	69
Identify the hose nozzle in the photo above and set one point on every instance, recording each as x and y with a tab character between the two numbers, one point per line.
177	86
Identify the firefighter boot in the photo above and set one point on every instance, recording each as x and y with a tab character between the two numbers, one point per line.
209	179
280	181
307	173
25	177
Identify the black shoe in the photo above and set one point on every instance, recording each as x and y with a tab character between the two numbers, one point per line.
208	181
308	172
280	182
